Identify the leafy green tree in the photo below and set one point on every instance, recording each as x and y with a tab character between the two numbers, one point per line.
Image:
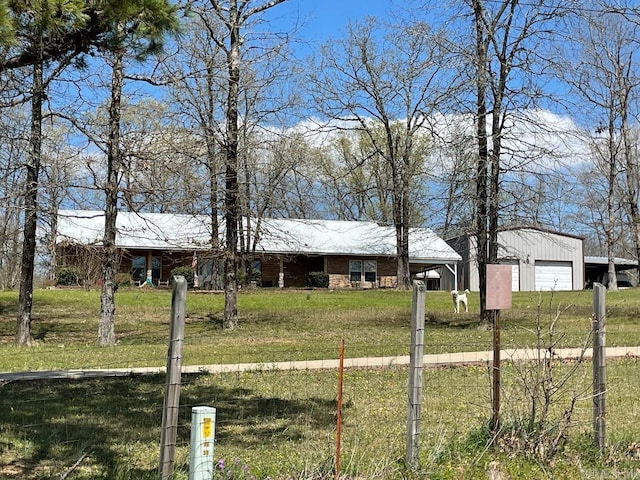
138	30
47	35
7	32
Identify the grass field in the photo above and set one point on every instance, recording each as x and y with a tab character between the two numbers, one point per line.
282	424
286	325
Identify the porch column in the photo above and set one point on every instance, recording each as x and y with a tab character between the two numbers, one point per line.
149	267
281	274
455	276
454	272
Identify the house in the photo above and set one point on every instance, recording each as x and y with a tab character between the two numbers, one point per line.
541	259
351	253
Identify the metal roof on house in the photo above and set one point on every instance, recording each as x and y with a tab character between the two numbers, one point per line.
163	231
589	260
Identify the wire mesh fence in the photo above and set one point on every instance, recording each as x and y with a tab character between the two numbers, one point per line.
276	409
278	420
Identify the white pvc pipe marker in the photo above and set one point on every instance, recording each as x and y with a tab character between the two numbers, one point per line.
203	429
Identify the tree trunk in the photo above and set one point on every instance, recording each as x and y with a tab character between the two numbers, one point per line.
634	214
402	247
494	180
611	213
53	253
231	214
483	157
632	186
217	265
106	326
213	165
25	299
404	273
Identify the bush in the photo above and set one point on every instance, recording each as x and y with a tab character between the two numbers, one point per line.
124	280
67	276
318	279
186	272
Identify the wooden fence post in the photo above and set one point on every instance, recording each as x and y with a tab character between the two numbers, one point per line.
416	362
599	365
169	430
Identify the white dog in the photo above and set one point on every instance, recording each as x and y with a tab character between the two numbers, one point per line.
459	298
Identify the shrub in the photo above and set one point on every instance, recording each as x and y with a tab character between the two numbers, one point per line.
545	396
124	280
186	272
67	276
318	279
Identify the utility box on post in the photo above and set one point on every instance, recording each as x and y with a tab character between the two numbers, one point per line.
203	429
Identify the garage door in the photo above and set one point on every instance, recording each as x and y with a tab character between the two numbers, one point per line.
554	275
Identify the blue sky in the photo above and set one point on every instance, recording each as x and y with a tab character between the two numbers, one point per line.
322	19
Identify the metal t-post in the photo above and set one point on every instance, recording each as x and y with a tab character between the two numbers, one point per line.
495	404
599	367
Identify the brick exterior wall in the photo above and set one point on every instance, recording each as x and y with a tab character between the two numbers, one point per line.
295	268
338	270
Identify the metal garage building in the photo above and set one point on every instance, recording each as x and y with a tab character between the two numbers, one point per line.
541	259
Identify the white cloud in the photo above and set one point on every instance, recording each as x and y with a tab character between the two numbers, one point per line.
532	138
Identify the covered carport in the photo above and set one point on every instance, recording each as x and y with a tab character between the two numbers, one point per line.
596	269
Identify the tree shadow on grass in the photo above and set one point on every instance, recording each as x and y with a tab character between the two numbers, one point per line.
46	425
246	418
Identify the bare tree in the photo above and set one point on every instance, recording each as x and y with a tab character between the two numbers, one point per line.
233	16
159	171
359	182
505	75
13	149
59	168
288	180
140	34
454	162
603	72
197	93
601	209
385	88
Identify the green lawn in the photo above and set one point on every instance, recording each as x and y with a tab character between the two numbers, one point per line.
287	325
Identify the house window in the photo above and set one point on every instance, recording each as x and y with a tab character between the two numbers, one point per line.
139	268
359	267
256	271
370	270
355	270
